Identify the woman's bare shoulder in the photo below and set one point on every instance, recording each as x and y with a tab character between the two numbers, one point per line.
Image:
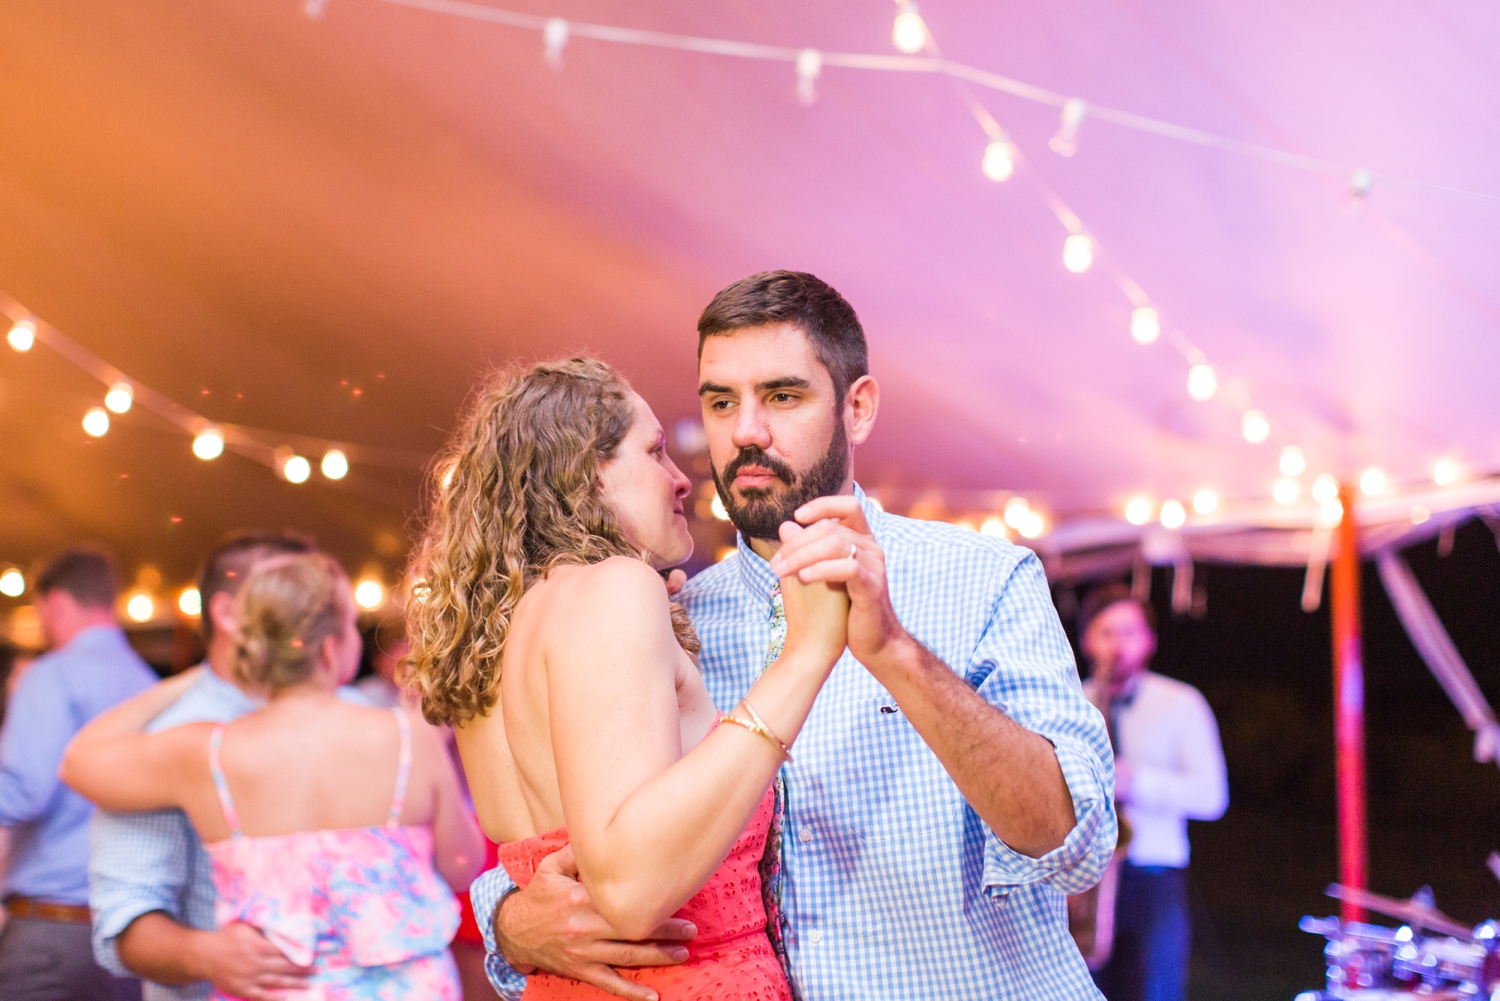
618	582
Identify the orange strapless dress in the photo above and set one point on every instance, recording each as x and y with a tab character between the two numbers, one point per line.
730	960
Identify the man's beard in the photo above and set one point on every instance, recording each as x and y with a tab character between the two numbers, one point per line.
763	510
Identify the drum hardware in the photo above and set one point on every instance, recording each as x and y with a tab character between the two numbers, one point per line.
1368	962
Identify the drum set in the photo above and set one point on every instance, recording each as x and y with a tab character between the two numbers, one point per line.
1430	955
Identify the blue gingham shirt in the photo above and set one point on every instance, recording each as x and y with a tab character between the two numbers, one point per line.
893	887
154	861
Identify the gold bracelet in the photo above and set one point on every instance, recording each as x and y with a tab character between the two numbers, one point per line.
757	725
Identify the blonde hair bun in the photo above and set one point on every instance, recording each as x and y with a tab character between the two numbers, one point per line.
287	608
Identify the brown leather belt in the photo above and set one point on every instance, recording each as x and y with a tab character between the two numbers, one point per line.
46	910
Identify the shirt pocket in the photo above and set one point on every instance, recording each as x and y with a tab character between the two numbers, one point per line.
894	786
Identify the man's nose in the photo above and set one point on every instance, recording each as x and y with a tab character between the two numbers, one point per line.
751	427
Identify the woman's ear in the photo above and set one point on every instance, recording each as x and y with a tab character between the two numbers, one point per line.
328	655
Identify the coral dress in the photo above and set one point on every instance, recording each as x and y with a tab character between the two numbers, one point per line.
730	960
363	906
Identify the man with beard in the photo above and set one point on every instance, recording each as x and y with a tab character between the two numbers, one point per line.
951	784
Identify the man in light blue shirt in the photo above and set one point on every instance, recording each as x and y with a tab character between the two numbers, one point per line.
150	884
44	947
951	785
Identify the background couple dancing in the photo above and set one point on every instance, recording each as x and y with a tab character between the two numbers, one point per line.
633	754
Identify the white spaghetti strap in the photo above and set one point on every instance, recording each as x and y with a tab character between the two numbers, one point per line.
221	785
403	768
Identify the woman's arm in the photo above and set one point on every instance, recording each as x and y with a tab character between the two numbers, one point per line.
458	845
648	824
119	768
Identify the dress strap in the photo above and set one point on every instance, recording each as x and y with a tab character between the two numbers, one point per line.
403	769
220	784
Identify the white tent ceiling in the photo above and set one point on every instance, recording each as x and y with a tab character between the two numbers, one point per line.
255	212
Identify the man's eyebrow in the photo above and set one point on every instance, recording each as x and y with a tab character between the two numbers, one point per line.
786	382
713	387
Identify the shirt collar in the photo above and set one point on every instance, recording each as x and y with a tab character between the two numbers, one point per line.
227	692
756	572
97	636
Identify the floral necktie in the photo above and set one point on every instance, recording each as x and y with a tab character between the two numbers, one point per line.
770	861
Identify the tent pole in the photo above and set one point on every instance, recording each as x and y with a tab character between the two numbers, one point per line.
1349	704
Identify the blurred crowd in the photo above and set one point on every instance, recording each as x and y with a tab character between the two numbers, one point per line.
143	824
150	867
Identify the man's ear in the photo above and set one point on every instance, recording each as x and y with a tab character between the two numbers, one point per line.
221	611
861	401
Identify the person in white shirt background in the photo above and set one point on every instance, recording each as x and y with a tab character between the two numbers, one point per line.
1169	768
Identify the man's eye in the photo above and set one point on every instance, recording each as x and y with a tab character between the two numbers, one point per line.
783	397
720	405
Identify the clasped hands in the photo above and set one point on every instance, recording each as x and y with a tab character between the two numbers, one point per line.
831	542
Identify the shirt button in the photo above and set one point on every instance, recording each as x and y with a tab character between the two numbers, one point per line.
815	936
805	834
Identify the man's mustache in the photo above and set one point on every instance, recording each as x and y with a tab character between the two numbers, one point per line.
754	455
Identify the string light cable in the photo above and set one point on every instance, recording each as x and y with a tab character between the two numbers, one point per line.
930	64
210	438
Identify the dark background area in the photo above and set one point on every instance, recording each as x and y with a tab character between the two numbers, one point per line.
1265	667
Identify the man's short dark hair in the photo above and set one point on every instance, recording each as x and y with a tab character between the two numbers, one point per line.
807	303
229	564
88	573
1105	595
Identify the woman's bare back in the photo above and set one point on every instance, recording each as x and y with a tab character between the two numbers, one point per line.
516	792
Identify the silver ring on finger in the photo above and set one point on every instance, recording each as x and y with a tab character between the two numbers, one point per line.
853	550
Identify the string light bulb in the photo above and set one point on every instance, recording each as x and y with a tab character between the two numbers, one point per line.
1444	472
999	160
96	422
190	602
1325	488
369	594
1372	481
1145	324
22	335
909	33
1138	510
1286	490
1205	502
720	512
1292	461
12	583
1203	382
993	526
1065	142
1017	511
140	607
296	469
809	68
335	464
1033	526
1255	427
1078	253
1172	514
209	444
120	397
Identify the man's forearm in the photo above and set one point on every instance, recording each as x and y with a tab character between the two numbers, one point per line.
1007	773
156	948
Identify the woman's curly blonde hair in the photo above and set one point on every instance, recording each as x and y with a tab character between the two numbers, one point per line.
516	493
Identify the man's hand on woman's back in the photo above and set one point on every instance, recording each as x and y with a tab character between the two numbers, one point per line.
552	925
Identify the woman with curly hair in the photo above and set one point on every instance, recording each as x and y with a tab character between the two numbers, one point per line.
543	633
328	824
